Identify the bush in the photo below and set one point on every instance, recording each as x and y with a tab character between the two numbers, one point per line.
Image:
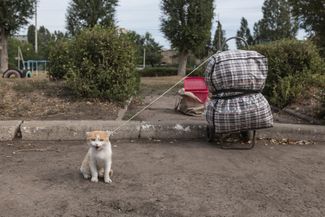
158	71
319	81
292	64
103	65
59	59
167	71
322	112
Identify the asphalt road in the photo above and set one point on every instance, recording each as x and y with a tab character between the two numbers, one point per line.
164	178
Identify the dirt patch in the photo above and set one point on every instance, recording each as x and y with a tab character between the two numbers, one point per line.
310	103
165	179
40	99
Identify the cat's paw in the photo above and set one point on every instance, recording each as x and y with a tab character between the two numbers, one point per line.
94	179
86	176
108	180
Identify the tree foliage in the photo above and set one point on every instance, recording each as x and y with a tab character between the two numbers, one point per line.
153	50
88	13
219	38
187	25
311	17
31	35
146	43
138	40
58	35
245	33
45	39
277	22
13	15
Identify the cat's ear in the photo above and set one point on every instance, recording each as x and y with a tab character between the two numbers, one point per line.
87	134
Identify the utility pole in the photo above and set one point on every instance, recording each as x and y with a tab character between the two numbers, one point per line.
36	37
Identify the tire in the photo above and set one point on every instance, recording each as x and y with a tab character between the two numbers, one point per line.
26	74
29	74
210	134
246	136
12	73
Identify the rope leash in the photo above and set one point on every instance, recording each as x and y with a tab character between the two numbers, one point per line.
159	97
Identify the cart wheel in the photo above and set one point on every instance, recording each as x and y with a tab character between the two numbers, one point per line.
210	134
246	135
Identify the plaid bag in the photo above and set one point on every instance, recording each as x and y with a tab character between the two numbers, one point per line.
236	79
249	112
236	69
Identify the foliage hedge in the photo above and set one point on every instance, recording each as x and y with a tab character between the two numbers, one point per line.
167	71
97	63
59	59
292	66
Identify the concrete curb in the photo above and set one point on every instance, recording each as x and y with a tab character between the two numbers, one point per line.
294	131
9	130
75	130
170	130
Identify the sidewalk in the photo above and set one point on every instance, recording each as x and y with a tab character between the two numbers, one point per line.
160	121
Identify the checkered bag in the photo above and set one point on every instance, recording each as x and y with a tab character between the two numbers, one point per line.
236	69
249	112
236	79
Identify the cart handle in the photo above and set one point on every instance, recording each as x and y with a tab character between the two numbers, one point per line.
240	38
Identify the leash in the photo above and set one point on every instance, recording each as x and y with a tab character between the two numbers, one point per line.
159	97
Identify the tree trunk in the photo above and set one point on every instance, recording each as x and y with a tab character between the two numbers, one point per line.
182	63
3	51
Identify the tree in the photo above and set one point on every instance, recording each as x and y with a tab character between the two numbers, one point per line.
45	38
58	35
13	15
257	33
31	35
311	17
153	50
245	33
88	13
187	25
219	39
147	43
138	41
277	22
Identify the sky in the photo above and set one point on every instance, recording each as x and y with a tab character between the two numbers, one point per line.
144	16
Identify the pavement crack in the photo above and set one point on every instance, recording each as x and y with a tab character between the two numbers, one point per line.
18	134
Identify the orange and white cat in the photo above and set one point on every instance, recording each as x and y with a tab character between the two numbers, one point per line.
98	160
